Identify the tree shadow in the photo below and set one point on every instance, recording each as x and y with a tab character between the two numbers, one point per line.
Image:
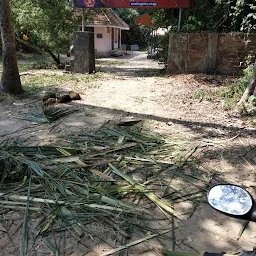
199	128
133	72
141	69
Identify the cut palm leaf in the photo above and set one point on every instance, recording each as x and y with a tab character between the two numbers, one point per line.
142	189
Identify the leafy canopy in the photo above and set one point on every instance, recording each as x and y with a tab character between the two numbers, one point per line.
46	23
136	34
212	16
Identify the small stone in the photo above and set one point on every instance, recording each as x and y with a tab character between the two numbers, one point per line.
237	115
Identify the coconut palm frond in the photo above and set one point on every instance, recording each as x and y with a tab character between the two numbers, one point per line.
121	172
52	113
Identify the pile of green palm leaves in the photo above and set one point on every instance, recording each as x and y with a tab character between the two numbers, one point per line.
101	177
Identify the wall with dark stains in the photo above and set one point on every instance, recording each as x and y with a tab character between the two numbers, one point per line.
209	53
83	52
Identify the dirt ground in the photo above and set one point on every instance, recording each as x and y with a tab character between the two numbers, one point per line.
133	86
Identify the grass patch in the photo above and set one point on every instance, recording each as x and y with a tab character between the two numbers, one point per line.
25	58
38	65
6	97
38	73
33	61
57	81
204	94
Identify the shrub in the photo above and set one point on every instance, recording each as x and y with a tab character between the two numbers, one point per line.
234	92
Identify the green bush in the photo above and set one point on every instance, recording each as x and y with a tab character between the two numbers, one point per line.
234	92
163	42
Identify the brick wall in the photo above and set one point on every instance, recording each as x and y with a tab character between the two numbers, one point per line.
209	53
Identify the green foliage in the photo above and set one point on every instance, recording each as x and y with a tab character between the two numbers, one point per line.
211	15
165	17
193	24
252	99
234	92
48	24
241	14
163	42
137	34
204	94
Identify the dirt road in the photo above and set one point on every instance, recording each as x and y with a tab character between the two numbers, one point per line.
182	105
173	104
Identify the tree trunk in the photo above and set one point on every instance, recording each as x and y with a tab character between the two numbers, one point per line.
251	88
54	57
10	81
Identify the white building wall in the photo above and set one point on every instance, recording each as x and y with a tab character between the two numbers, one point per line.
102	45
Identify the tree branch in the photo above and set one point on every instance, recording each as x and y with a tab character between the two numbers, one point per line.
251	88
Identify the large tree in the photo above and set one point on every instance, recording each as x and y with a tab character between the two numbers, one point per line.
212	16
10	81
136	34
47	23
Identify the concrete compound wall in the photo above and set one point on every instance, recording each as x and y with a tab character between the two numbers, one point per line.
209	53
83	52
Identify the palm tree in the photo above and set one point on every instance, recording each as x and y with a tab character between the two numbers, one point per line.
10	81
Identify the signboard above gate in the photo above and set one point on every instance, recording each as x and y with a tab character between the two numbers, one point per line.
132	3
